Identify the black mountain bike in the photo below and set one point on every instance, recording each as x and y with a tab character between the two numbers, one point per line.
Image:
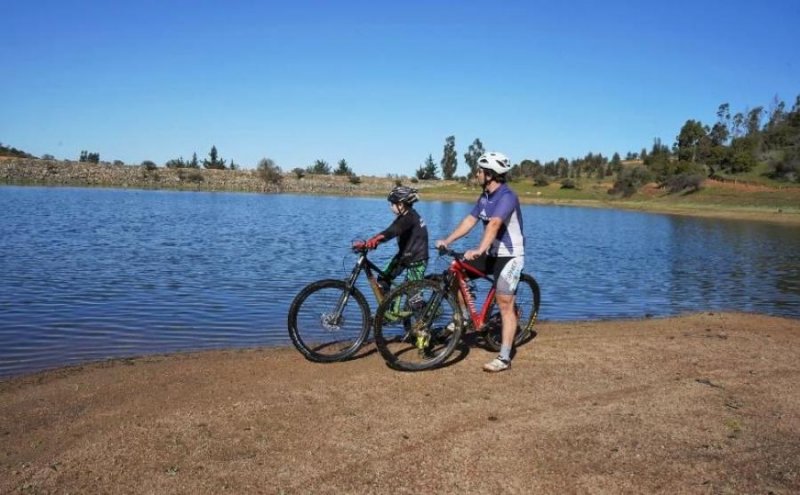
330	319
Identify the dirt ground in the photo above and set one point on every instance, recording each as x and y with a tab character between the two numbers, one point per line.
705	403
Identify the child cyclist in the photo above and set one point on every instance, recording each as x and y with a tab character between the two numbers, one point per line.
412	238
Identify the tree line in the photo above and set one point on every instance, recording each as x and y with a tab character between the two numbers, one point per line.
735	143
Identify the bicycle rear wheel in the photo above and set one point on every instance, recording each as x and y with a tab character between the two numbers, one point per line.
527	307
318	332
417	326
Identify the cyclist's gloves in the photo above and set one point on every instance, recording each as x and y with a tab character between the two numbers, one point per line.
373	242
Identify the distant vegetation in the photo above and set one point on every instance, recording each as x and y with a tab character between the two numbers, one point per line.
733	147
760	141
13	152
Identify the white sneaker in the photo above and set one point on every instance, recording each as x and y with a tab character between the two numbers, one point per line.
497	364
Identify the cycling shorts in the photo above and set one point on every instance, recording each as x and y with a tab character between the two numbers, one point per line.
506	271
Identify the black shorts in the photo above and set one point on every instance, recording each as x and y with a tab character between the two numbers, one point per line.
505	271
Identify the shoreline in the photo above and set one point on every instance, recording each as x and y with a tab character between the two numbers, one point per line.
44	173
699	403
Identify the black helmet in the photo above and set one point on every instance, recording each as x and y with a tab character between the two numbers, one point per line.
403	194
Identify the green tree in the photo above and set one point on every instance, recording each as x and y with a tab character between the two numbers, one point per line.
737	125
562	168
342	168
689	140
89	157
741	156
428	171
777	113
528	168
721	130
320	167
269	172
193	163
658	161
449	158
754	121
629	180
471	156
615	166
11	151
213	161
175	163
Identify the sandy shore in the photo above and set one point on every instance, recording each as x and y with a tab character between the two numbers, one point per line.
705	403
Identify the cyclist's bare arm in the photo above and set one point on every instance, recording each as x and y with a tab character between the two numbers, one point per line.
489	235
463	229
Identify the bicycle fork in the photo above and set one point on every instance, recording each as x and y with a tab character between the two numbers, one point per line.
422	327
336	317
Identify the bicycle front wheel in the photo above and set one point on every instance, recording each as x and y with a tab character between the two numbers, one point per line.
417	326
526	304
327	323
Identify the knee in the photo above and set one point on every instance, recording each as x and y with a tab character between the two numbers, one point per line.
505	302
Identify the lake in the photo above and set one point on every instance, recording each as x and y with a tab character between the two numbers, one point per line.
92	274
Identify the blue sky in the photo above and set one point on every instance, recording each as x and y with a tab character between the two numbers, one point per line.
381	84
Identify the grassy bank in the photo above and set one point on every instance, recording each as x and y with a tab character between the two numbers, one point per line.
714	199
752	200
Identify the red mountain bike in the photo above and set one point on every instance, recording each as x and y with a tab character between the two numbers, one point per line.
418	324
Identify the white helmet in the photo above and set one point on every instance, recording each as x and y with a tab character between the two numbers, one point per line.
497	162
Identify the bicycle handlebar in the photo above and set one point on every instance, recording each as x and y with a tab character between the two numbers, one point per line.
359	247
455	254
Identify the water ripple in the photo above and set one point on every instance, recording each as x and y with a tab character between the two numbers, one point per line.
91	274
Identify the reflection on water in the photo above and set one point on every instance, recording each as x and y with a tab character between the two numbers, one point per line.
95	273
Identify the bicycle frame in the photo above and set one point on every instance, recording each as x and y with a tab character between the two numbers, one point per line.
458	272
369	268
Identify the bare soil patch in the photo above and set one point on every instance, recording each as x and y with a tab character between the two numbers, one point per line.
705	403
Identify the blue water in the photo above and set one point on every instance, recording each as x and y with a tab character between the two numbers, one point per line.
91	274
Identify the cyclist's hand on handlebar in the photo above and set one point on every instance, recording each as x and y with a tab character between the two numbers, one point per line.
372	243
359	245
471	254
440	244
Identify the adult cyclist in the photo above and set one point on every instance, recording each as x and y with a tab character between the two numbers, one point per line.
501	250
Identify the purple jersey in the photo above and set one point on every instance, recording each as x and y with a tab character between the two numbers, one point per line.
504	204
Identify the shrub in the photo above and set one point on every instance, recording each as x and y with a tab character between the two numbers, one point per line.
786	166
190	175
354	179
539	180
149	165
629	180
568	184
269	171
684	182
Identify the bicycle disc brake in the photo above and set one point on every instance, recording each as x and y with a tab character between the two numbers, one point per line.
330	322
